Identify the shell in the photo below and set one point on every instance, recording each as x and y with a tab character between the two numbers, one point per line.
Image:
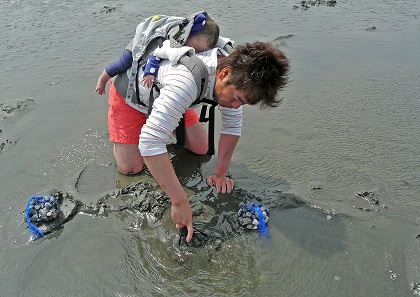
43	209
248	217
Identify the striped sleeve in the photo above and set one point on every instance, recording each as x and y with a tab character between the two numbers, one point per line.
178	91
231	120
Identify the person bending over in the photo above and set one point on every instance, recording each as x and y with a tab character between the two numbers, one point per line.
252	74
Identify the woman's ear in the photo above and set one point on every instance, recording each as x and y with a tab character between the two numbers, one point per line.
225	72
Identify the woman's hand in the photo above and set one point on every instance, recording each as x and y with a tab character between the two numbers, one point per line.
223	183
181	214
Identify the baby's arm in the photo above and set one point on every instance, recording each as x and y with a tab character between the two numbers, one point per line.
120	66
101	84
150	71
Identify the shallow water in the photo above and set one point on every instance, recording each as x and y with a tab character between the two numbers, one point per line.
348	123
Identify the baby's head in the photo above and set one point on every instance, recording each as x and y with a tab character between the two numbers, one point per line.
204	33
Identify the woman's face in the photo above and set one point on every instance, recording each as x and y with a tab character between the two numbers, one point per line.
227	95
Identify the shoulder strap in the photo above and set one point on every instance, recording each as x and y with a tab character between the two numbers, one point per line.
123	83
201	77
200	73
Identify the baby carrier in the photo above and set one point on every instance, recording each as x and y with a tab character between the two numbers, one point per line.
150	34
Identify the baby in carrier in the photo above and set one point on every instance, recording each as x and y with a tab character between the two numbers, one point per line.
203	36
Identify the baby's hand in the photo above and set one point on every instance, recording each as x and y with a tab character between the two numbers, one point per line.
101	84
100	88
148	80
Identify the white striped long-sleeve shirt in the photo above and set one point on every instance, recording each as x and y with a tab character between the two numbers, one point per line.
177	92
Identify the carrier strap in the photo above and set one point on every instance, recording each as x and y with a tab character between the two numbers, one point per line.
180	133
180	130
210	119
151	98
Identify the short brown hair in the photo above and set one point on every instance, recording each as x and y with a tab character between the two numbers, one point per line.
211	32
260	69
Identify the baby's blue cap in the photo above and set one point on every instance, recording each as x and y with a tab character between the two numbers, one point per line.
199	22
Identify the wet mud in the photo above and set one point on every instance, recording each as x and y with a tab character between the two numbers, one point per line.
10	112
68	208
11	108
371	199
145	197
107	9
306	4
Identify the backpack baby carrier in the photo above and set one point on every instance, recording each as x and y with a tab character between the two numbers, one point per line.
150	34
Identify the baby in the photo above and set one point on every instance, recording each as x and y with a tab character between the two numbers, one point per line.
203	36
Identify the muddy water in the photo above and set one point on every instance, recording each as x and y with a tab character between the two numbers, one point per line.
349	123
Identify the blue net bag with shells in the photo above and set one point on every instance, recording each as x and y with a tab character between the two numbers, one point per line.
254	216
41	209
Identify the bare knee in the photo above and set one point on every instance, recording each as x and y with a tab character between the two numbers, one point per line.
129	170
196	139
199	149
128	158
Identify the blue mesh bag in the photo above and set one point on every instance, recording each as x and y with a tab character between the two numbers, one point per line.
41	209
254	216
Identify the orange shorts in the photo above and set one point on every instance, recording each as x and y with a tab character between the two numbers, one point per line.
125	122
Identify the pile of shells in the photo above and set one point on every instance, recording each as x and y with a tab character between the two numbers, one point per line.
43	208
248	216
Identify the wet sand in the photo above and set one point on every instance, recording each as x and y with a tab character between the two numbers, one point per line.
337	162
